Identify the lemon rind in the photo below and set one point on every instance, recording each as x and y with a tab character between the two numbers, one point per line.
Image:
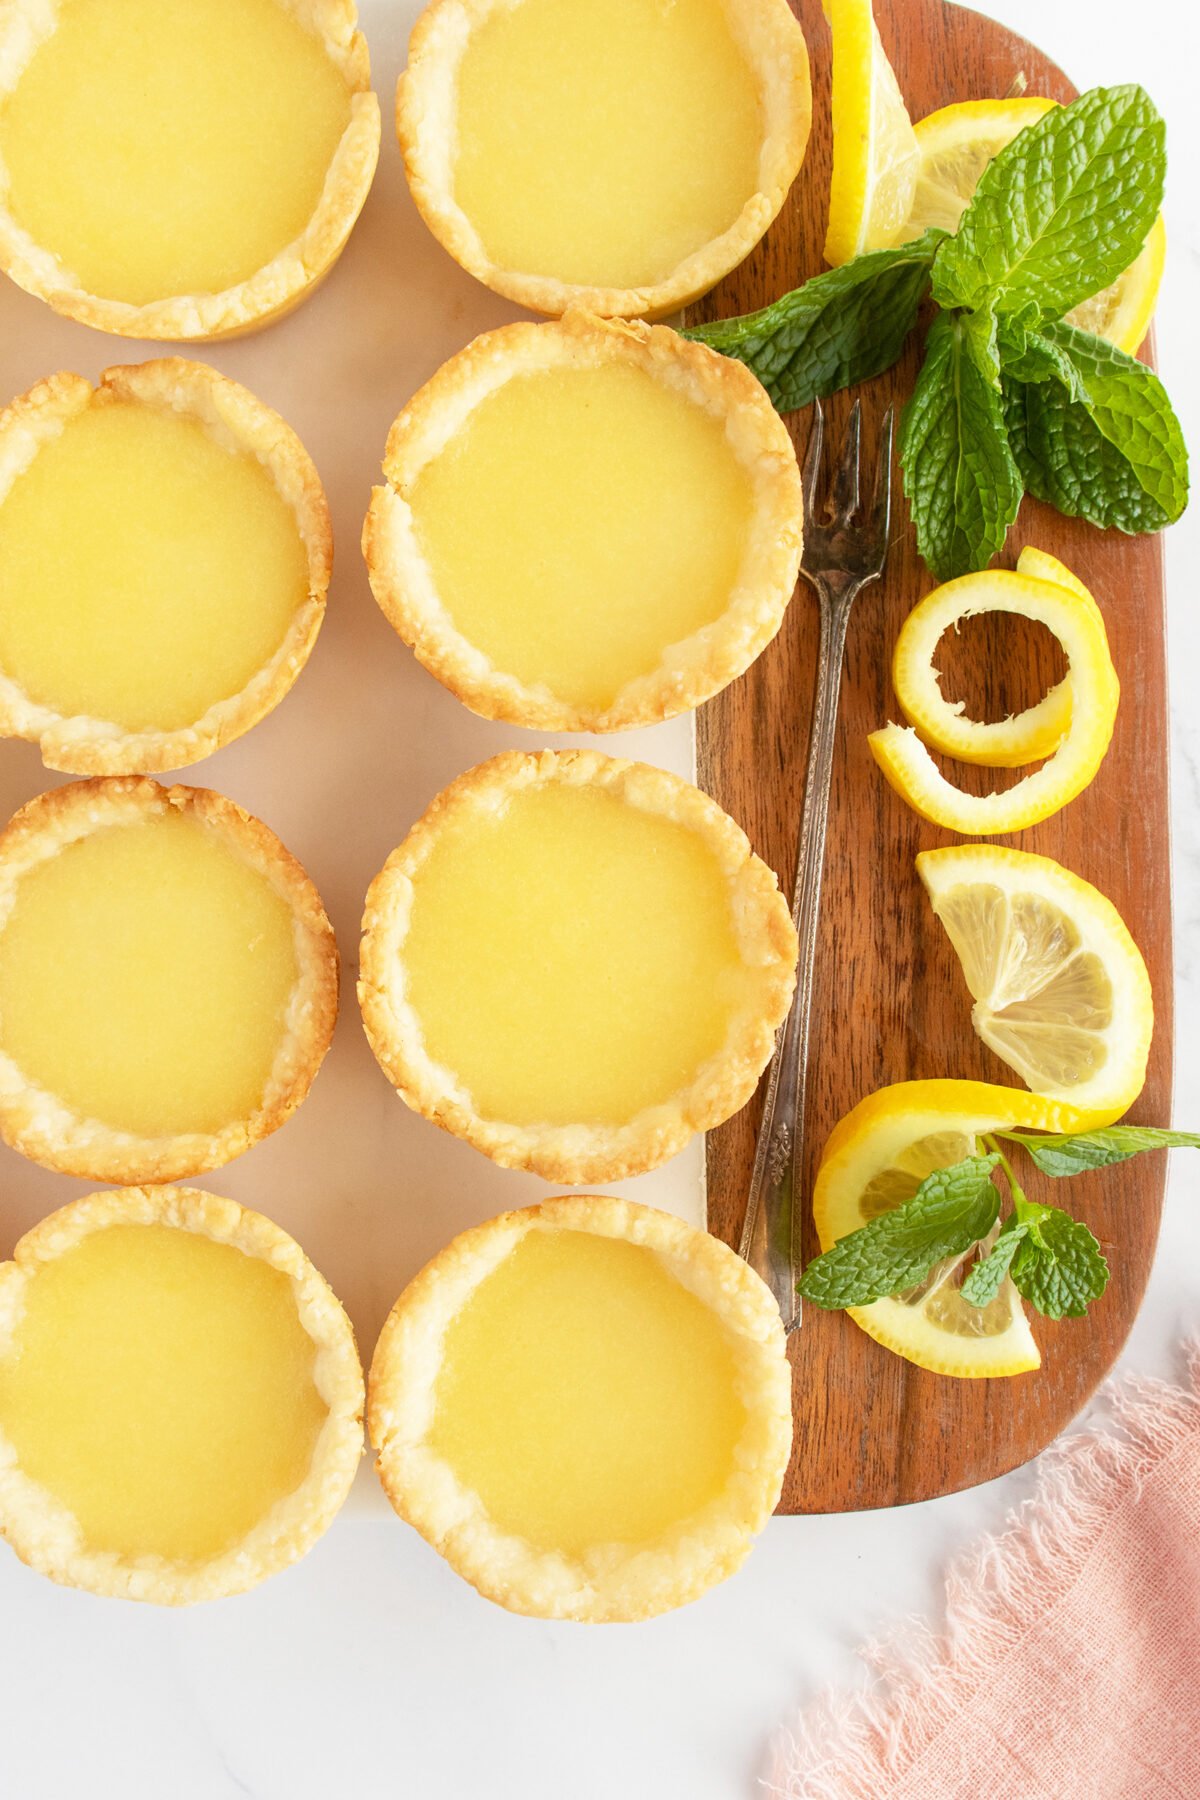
770	38
79	744
1022	737
580	1153
610	1581
284	281
45	1128
689	671
911	771
42	1530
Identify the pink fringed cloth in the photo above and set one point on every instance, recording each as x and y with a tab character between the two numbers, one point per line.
1069	1665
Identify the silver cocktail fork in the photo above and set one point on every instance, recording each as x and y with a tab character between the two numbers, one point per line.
842	553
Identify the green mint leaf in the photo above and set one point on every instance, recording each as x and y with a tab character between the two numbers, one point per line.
1115	454
1061	210
1028	356
951	1210
838	329
1070	1153
962	482
1058	1266
983	1282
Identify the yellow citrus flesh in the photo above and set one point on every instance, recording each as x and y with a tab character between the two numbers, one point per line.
1008	743
147	571
875	156
602	142
876	1158
171	147
145	976
580	523
586	1396
1094	694
1060	988
571	959
160	1386
958	142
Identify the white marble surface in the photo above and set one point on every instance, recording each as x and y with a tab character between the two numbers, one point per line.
369	1670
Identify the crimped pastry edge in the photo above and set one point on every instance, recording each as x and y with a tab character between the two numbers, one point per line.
690	671
608	1583
39	1124
240	423
579	1155
770	38
283	282
44	1533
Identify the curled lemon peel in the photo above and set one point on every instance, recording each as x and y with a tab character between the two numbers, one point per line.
1074	722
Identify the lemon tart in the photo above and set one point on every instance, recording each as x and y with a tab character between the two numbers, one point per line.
585	1407
621	155
586	525
575	963
168	980
165	551
180	1397
180	168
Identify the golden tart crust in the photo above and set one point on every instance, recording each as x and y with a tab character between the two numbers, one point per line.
240	423
283	282
38	1123
46	1535
690	672
769	36
582	1153
606	1582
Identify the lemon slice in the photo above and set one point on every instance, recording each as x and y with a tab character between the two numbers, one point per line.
1009	743
877	1158
955	146
1094	693
1060	988
875	154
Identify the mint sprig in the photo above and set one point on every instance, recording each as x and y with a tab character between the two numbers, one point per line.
1100	441
1053	1260
840	328
1058	1266
1010	398
1071	1153
951	1210
962	482
1061	210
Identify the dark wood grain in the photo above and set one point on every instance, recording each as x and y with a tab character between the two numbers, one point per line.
890	1003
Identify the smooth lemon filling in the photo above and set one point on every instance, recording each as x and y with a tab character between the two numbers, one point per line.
582	521
160	1386
147	572
164	147
604	141
145	976
586	1396
570	958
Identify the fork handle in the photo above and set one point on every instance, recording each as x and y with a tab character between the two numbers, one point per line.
771	1235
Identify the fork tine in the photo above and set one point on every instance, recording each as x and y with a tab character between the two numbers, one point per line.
811	473
881	504
843	503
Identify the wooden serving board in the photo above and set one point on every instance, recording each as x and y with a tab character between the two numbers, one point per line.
890	1003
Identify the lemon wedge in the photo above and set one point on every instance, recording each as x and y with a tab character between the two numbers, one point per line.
1090	705
1009	743
1060	988
877	1158
955	146
875	154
